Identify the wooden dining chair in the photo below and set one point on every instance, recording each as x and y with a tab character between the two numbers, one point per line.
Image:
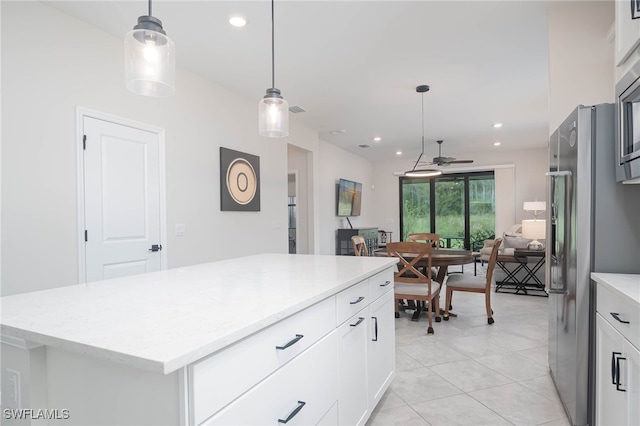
474	284
433	239
359	246
410	282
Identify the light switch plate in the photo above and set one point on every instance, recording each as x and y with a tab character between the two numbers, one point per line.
180	229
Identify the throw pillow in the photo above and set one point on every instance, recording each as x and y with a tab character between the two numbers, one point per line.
515	242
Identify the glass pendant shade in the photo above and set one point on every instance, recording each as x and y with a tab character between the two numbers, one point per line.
273	111
149	59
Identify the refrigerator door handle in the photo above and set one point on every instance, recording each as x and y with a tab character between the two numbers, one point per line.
559	195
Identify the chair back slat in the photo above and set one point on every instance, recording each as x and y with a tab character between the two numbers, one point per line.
359	245
409	254
431	238
493	258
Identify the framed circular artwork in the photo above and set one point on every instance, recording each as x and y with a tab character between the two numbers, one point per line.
239	181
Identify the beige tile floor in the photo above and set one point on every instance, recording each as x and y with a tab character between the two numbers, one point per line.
472	373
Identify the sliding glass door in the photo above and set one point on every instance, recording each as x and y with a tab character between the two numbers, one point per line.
459	207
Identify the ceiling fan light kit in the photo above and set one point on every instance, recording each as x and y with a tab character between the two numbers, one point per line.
149	58
273	109
415	172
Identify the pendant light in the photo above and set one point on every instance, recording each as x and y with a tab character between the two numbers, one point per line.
415	172
273	109
149	58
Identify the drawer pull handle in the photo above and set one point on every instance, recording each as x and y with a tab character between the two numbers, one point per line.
360	299
613	367
386	283
290	342
360	319
375	327
616	316
618	388
293	413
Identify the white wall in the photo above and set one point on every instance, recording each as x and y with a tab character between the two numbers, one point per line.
581	68
52	63
529	184
336	163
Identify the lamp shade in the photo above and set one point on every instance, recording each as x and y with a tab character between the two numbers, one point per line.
533	229
533	206
149	59
273	113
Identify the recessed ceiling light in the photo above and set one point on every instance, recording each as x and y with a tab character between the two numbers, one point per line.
398	152
237	21
377	139
496	144
497	125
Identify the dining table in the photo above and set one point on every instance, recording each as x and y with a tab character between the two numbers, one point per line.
441	258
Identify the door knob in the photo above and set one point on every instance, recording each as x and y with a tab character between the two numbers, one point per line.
156	247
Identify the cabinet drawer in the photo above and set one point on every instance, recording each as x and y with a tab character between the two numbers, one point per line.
610	303
310	378
245	363
352	300
380	283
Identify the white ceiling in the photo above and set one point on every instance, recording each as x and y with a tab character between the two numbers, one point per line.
355	65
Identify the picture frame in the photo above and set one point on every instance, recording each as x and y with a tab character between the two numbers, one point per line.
239	181
635	9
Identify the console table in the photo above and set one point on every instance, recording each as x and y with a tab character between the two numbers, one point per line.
343	243
530	284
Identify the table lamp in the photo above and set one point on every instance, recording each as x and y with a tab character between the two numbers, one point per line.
536	207
534	230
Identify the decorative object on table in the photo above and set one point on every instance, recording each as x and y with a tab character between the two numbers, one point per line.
474	284
273	109
239	181
537	207
416	172
149	58
534	230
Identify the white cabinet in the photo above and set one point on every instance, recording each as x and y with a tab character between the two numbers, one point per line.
352	370
617	360
300	394
381	353
366	351
627	31
335	373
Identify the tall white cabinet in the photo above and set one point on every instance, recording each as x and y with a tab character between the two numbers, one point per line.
617	353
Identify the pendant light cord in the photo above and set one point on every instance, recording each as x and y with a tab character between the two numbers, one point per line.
150	8
273	49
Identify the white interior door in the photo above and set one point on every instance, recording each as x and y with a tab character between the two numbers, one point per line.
122	200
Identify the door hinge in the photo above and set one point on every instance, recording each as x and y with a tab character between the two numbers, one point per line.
86	235
84	141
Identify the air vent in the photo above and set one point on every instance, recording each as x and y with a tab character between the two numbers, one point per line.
296	109
364	145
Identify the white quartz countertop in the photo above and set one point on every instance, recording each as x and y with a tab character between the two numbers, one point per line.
627	285
165	320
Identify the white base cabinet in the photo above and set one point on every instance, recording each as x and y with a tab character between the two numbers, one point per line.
617	361
337	379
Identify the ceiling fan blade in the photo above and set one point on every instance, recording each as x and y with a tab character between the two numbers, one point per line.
460	161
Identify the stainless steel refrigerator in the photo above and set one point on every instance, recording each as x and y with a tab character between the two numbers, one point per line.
592	225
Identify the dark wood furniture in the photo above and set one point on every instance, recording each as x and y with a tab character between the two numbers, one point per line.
344	245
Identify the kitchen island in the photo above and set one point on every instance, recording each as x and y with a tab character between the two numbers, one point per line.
193	345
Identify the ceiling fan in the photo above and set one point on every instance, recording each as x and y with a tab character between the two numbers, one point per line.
445	161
